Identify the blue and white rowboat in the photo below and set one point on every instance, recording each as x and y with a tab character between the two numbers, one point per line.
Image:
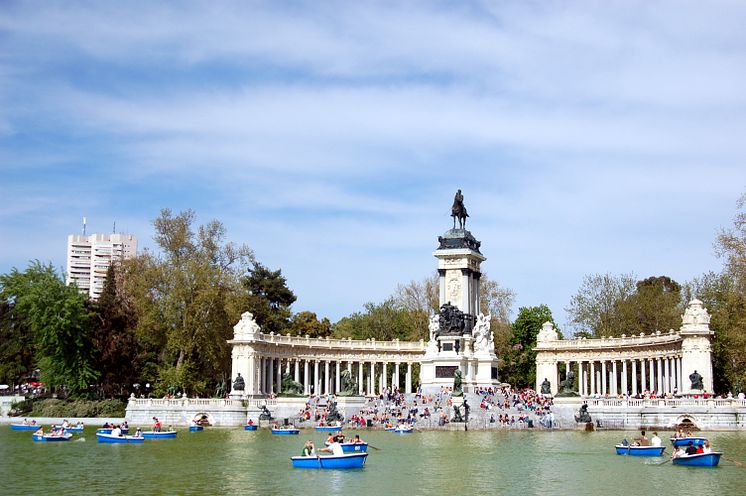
328	428
701	460
196	428
111	439
289	431
353	447
403	429
74	428
352	460
107	430
639	450
159	435
684	441
24	427
48	438
249	427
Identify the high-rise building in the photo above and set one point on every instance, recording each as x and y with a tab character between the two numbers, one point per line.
89	257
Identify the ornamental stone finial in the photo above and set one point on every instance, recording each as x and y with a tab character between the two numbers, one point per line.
695	320
246	327
547	333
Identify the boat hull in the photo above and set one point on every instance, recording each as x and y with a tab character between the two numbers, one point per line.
107	430
352	460
159	435
46	438
684	441
21	427
354	448
403	431
196	428
328	428
285	432
73	429
249	427
701	460
640	450
111	439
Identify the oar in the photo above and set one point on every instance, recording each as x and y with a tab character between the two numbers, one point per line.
740	464
664	462
371	446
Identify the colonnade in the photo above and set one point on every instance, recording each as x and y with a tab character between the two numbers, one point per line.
322	376
660	375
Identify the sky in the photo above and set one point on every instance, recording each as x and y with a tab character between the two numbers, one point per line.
330	137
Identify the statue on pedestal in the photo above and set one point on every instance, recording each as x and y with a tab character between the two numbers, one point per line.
546	387
458	211
484	341
239	384
291	387
347	384
332	414
457	390
450	321
265	415
696	380
567	386
457	417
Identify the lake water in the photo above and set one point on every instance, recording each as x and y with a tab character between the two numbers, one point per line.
233	461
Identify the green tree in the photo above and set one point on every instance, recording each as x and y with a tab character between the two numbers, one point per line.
187	298
519	363
59	320
385	321
269	298
593	310
655	306
307	324
16	340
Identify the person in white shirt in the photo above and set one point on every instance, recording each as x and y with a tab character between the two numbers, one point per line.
333	448
116	431
655	440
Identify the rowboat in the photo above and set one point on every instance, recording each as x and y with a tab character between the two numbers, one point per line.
107	430
285	431
249	427
402	429
196	428
50	437
328	428
352	447
352	460
74	428
701	460
24	427
639	450
159	435
390	429
112	439
684	441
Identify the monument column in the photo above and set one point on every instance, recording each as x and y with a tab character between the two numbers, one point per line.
593	378
408	379
296	370
395	377
360	383
643	385
316	384
661	381
371	375
604	391
625	389
651	366
337	376
306	379
616	378
696	348
383	378
278	382
634	377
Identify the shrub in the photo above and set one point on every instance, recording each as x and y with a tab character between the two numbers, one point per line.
78	408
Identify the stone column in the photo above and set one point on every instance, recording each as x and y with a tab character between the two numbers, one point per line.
384	374
287	367
395	377
337	374
667	372
360	383
371	375
661	382
278	382
634	377
264	375
306	379
604	375
643	378
325	387
316	385
616	378
625	389
408	379
296	371
651	365
593	378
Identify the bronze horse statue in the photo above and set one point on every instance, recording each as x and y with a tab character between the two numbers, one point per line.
458	211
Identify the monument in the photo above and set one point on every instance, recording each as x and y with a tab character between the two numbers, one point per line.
460	336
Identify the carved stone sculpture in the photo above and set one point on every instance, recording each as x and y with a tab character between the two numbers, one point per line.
458	211
450	321
332	414
265	415
457	417
484	340
567	386
546	387
347	384
457	389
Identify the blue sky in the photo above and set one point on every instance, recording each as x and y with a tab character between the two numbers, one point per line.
587	137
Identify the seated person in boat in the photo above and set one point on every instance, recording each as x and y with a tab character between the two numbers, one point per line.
357	439
138	432
679	433
642	440
655	440
334	448
706	447
700	449
80	425
156	425
331	438
39	431
691	449
308	449
677	452
339	438
125	425
250	422
116	431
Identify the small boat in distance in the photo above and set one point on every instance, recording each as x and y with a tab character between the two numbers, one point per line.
700	460
352	447
74	428
159	435
249	427
112	439
196	428
622	449
285	431
51	437
107	430
329	428
24	427
403	429
684	441
352	460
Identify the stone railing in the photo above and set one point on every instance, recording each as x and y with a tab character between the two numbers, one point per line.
663	402
610	342
342	344
209	402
